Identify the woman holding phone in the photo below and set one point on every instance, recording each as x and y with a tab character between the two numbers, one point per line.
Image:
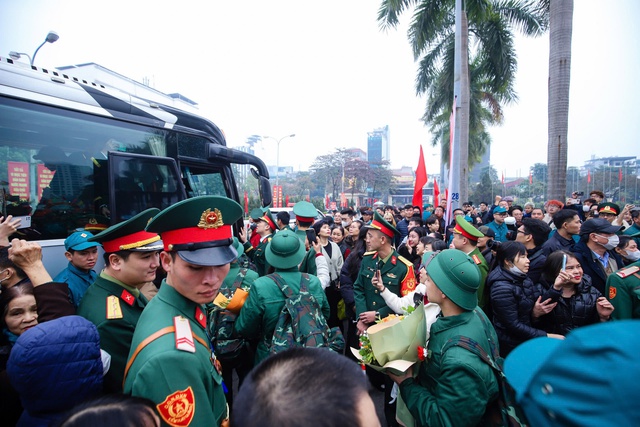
579	304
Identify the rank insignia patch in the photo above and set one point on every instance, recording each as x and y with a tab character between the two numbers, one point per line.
114	311
612	292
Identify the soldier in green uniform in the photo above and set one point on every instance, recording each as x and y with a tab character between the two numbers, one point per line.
114	302
465	239
453	385
232	350
305	214
171	361
259	315
397	275
266	226
623	291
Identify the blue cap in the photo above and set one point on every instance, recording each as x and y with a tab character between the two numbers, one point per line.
78	241
590	378
499	209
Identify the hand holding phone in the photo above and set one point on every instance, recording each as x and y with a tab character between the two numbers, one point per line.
311	235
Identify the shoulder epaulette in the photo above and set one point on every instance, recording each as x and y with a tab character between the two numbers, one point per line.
184	336
477	260
114	311
629	271
369	253
405	261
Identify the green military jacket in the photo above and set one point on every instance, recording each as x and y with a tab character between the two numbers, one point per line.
452	388
394	271
186	386
259	315
479	260
115	312
302	234
624	292
308	264
257	255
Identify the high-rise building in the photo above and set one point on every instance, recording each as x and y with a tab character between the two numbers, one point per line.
378	145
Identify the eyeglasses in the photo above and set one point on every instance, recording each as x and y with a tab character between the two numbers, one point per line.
523	232
501	214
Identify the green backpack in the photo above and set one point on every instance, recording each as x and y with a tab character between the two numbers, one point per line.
301	322
226	343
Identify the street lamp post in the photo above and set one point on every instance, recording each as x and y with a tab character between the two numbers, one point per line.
278	152
16	55
52	37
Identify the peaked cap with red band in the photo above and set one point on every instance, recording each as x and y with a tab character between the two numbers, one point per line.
610	208
199	229
268	218
130	235
465	228
305	211
379	223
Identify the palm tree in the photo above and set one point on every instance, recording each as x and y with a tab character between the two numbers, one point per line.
490	24
560	30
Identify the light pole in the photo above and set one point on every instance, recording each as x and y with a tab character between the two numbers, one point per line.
278	152
52	37
16	55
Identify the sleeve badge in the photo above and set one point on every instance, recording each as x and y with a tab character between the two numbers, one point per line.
178	408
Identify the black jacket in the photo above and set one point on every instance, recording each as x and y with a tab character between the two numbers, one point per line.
512	300
536	261
570	313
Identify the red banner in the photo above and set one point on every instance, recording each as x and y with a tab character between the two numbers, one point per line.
18	173
44	178
246	203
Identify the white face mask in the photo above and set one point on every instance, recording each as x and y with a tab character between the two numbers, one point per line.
633	255
612	242
345	224
586	208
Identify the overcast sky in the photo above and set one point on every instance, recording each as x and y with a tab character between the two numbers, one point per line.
324	71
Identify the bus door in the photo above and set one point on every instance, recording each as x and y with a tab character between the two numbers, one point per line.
137	182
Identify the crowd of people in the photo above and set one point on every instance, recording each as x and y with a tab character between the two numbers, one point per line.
146	342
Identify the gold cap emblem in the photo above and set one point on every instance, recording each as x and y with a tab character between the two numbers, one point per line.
211	219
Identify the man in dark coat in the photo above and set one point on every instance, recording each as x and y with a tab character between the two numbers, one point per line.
596	253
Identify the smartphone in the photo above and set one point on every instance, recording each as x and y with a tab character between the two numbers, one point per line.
564	262
25	221
311	235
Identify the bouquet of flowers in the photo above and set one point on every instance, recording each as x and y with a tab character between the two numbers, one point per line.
392	343
233	304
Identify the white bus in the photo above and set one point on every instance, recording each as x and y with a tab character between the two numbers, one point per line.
78	154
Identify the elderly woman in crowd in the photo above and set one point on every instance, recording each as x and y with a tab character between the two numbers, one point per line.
19	313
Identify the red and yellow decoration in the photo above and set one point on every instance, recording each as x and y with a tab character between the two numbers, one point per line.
178	408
